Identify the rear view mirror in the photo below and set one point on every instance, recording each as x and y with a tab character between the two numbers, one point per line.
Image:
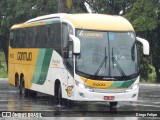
145	44
76	44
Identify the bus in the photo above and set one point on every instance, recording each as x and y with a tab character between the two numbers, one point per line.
76	57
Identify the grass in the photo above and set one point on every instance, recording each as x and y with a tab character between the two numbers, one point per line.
3	67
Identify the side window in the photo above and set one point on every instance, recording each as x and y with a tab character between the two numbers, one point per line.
69	58
70	53
43	36
67	47
55	35
65	39
65	35
70	29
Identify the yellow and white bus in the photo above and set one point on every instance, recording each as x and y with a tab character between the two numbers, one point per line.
77	57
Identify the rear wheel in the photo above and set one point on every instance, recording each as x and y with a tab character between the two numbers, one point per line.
22	90
17	85
17	81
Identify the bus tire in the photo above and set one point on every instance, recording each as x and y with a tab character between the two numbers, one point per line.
17	85
59	95
113	104
58	92
22	90
16	81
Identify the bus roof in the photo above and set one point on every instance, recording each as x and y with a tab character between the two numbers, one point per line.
99	22
88	21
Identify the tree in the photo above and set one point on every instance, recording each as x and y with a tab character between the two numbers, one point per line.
144	16
18	11
114	7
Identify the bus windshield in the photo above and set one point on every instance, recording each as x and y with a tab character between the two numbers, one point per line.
107	54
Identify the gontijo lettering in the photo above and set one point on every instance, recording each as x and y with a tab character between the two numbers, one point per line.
25	56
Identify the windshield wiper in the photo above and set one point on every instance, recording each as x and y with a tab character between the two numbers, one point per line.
104	61
118	65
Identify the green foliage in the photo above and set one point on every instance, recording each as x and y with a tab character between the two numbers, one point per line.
143	15
148	73
3	67
75	8
110	6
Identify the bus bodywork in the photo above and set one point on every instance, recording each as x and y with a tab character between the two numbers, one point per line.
87	57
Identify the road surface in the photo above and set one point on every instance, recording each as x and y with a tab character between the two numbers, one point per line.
147	106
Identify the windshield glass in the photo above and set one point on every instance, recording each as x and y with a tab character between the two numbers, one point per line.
108	54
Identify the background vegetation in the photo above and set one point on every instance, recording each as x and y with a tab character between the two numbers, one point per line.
143	14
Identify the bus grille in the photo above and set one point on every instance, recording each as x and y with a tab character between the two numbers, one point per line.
109	90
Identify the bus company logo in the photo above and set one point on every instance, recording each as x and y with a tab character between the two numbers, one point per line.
98	84
25	56
99	35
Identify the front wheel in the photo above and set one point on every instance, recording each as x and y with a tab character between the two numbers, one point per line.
58	93
60	100
113	104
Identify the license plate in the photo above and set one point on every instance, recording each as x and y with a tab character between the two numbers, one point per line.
108	97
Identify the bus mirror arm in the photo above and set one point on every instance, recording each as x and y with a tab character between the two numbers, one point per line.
145	44
76	44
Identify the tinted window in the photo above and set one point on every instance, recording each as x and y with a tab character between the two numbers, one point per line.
47	36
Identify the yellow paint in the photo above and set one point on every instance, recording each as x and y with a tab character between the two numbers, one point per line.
99	22
97	83
21	66
27	25
25	67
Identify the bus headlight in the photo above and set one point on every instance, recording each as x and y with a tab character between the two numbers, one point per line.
133	87
83	86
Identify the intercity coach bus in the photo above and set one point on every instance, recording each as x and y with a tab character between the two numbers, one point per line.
76	57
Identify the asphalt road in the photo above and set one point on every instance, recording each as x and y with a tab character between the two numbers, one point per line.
147	106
